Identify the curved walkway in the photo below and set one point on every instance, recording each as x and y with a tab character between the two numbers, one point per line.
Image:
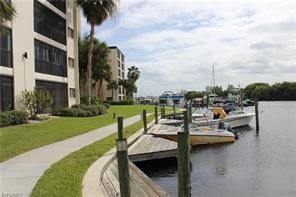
19	175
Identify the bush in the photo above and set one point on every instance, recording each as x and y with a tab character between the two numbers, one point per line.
102	109
93	109
73	112
126	102
36	101
107	105
81	110
13	118
95	100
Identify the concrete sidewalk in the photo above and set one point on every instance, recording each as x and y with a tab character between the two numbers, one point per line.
19	175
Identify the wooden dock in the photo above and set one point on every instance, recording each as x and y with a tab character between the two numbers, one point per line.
141	185
142	147
149	147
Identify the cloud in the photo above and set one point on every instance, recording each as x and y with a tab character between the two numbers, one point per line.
175	43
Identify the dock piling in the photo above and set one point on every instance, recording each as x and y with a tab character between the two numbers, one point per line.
183	160
145	121
122	160
257	116
190	112
174	109
156	115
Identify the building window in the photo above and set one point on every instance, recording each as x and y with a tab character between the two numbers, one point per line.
119	89
50	60
119	73
70	32
48	23
122	57
72	93
5	48
6	93
60	4
118	64
58	90
122	74
71	62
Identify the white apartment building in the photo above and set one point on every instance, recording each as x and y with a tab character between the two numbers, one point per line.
116	60
40	50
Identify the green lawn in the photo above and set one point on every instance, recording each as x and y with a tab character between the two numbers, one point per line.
64	178
19	139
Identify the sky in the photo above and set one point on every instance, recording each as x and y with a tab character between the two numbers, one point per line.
176	43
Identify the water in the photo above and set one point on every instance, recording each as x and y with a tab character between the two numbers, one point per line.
263	165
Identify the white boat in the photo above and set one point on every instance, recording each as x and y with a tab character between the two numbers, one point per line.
200	136
234	119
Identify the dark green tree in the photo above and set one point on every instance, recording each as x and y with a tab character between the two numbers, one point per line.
190	95
95	12
129	84
100	68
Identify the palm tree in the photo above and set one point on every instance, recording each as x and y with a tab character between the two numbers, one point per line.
7	12
133	73
112	85
100	68
95	12
129	84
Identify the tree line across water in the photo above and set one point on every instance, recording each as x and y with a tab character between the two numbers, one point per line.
261	91
277	91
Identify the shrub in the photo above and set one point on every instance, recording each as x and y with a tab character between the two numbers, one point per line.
107	105
93	109
73	112
126	102
81	106
36	101
95	100
81	110
102	109
13	118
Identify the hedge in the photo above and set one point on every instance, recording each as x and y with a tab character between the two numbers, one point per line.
82	110
13	118
126	102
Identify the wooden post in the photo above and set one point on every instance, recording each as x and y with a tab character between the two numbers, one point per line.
114	115
241	102
122	161
208	101
183	160
145	121
257	116
190	113
163	111
174	108
156	115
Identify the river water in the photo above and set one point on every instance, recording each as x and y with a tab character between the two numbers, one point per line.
254	165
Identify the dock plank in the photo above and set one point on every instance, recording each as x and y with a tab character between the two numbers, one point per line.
141	185
149	147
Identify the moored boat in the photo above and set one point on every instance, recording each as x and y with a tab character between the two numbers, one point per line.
200	136
233	119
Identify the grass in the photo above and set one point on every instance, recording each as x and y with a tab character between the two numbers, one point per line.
19	139
64	178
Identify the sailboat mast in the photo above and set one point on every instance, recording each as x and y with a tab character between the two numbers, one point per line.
213	77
